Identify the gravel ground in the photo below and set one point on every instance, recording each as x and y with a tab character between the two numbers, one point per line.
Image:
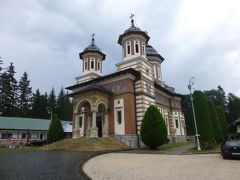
123	166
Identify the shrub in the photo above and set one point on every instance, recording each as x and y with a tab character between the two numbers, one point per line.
55	131
153	128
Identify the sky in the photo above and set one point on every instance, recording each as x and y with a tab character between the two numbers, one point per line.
199	38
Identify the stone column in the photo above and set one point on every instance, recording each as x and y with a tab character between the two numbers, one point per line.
105	127
171	127
88	126
94	129
76	131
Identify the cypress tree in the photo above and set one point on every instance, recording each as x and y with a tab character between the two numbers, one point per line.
153	128
55	131
233	108
203	119
223	121
188	114
217	127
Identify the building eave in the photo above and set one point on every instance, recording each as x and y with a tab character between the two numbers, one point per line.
158	86
130	70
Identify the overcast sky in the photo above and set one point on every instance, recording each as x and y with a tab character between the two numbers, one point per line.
198	38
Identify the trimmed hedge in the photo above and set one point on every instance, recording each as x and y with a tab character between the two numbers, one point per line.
153	128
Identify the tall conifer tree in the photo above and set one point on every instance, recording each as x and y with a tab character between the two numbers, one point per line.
9	92
217	126
52	100
203	119
25	95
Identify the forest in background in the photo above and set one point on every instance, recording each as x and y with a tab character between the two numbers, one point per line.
18	100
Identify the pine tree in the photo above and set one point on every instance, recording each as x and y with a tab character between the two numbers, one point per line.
55	131
217	126
1	62
25	95
9	94
52	100
203	119
223	99
217	96
223	121
153	128
64	106
39	107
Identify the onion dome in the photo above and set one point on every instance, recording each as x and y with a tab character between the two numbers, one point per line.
92	48
132	30
152	52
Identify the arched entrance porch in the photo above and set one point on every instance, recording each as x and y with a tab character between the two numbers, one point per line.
91	117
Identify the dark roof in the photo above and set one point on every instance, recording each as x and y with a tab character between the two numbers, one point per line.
152	52
132	30
91	88
130	70
166	90
92	48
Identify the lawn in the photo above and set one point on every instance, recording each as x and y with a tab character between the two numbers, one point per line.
215	150
166	147
86	144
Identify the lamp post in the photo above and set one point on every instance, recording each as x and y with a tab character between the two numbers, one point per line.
191	82
49	109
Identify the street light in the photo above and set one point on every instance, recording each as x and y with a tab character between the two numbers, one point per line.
191	82
49	109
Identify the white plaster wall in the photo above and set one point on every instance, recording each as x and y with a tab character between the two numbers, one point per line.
119	128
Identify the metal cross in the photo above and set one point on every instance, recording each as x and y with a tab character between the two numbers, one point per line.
92	35
132	15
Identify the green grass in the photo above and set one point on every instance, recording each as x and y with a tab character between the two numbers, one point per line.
22	148
166	147
86	144
216	149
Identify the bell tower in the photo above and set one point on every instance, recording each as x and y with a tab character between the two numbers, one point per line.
156	60
133	42
92	58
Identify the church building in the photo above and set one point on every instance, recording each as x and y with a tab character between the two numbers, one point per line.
114	105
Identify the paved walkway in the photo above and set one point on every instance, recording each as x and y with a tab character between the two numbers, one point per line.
124	166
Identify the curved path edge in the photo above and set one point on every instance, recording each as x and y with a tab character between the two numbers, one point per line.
82	172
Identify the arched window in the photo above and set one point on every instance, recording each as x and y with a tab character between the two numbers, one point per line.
128	48
85	64
98	65
92	63
137	47
143	48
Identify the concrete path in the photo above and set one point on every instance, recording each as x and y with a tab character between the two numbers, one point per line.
123	166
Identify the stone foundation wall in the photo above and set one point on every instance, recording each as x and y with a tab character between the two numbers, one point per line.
131	140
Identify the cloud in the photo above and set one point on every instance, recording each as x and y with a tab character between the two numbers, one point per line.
197	38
